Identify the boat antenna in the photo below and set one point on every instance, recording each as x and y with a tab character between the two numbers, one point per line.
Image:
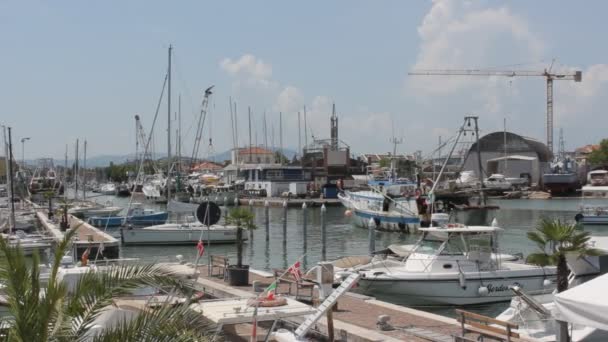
168	182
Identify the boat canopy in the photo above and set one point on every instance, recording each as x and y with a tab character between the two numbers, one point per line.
580	304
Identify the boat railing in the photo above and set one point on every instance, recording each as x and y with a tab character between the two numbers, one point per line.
398	205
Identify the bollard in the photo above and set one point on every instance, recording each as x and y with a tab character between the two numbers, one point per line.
371	227
304	225
267	219
323	234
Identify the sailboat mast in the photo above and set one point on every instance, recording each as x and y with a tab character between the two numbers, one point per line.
10	179
179	132
249	149
76	172
65	173
84	173
281	137
505	143
168	182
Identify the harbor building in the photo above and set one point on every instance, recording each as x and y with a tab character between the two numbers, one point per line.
511	155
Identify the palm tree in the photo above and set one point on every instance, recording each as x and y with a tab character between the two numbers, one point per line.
54	315
556	239
242	218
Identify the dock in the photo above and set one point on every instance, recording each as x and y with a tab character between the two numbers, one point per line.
87	237
355	318
291	202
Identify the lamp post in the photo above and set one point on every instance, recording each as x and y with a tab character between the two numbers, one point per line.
23	140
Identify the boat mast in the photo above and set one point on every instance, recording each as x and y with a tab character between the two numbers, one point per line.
168	182
65	173
504	125
281	137
9	176
84	173
249	111
76	173
179	132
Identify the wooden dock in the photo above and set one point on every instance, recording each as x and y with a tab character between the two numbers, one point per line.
290	202
356	316
87	237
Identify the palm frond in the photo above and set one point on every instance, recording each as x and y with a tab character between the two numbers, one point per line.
162	325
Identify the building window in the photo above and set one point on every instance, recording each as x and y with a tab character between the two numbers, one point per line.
274	174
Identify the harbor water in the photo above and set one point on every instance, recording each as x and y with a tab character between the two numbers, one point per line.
278	248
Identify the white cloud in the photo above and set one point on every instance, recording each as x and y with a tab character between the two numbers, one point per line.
248	70
289	100
462	35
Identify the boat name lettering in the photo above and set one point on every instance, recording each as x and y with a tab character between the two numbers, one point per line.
500	288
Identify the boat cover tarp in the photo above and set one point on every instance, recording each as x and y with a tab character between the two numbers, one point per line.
585	304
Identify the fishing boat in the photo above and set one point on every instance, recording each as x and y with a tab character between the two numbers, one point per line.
390	206
591	213
136	216
108	189
178	234
454	265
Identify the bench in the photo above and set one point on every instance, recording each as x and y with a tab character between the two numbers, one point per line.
485	327
220	263
304	289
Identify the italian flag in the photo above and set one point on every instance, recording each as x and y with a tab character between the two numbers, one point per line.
271	290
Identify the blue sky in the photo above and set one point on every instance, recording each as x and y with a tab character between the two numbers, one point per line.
76	69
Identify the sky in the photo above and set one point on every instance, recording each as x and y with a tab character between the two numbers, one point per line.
74	69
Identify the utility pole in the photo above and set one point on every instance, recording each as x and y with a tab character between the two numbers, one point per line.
299	139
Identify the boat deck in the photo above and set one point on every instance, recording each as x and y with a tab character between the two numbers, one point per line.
87	236
356	315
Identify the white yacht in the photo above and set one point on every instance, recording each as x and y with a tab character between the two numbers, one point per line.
497	182
453	265
153	186
597	178
178	234
590	211
108	189
90	209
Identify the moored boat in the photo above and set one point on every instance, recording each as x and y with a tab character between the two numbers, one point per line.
178	234
136	216
454	265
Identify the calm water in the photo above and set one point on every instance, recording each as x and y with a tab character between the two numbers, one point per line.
272	248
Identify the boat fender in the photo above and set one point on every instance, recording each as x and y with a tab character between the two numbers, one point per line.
348	213
377	221
483	291
462	280
578	217
547	282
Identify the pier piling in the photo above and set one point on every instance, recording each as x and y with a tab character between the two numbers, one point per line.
323	234
371	227
267	220
304	225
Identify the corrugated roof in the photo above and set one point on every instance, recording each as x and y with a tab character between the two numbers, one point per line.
495	142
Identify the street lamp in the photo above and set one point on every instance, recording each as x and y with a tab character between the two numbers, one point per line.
23	140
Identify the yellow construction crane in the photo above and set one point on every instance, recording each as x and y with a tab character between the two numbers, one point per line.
575	76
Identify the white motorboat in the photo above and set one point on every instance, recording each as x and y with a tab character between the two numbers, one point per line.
593	213
453	265
108	189
390	206
497	183
29	242
153	187
178	234
597	178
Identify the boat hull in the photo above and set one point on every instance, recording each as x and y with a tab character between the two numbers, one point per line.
177	236
385	222
450	291
138	220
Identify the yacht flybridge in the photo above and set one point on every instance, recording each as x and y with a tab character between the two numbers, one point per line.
454	265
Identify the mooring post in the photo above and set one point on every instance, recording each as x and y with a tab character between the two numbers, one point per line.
371	227
323	234
267	219
284	221
251	211
304	224
236	201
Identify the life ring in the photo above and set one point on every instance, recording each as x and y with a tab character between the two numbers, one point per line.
268	303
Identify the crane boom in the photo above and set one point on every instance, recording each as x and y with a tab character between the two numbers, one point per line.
576	76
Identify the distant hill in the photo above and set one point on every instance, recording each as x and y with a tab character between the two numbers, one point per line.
106	159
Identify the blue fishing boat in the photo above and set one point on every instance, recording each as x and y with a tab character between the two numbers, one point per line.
136	216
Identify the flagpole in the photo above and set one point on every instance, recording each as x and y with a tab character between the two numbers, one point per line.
200	239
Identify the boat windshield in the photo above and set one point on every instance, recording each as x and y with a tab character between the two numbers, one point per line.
429	245
455	246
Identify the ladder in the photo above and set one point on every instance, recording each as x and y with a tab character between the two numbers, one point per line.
327	304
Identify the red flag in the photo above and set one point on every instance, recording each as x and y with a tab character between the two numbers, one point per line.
201	248
295	271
